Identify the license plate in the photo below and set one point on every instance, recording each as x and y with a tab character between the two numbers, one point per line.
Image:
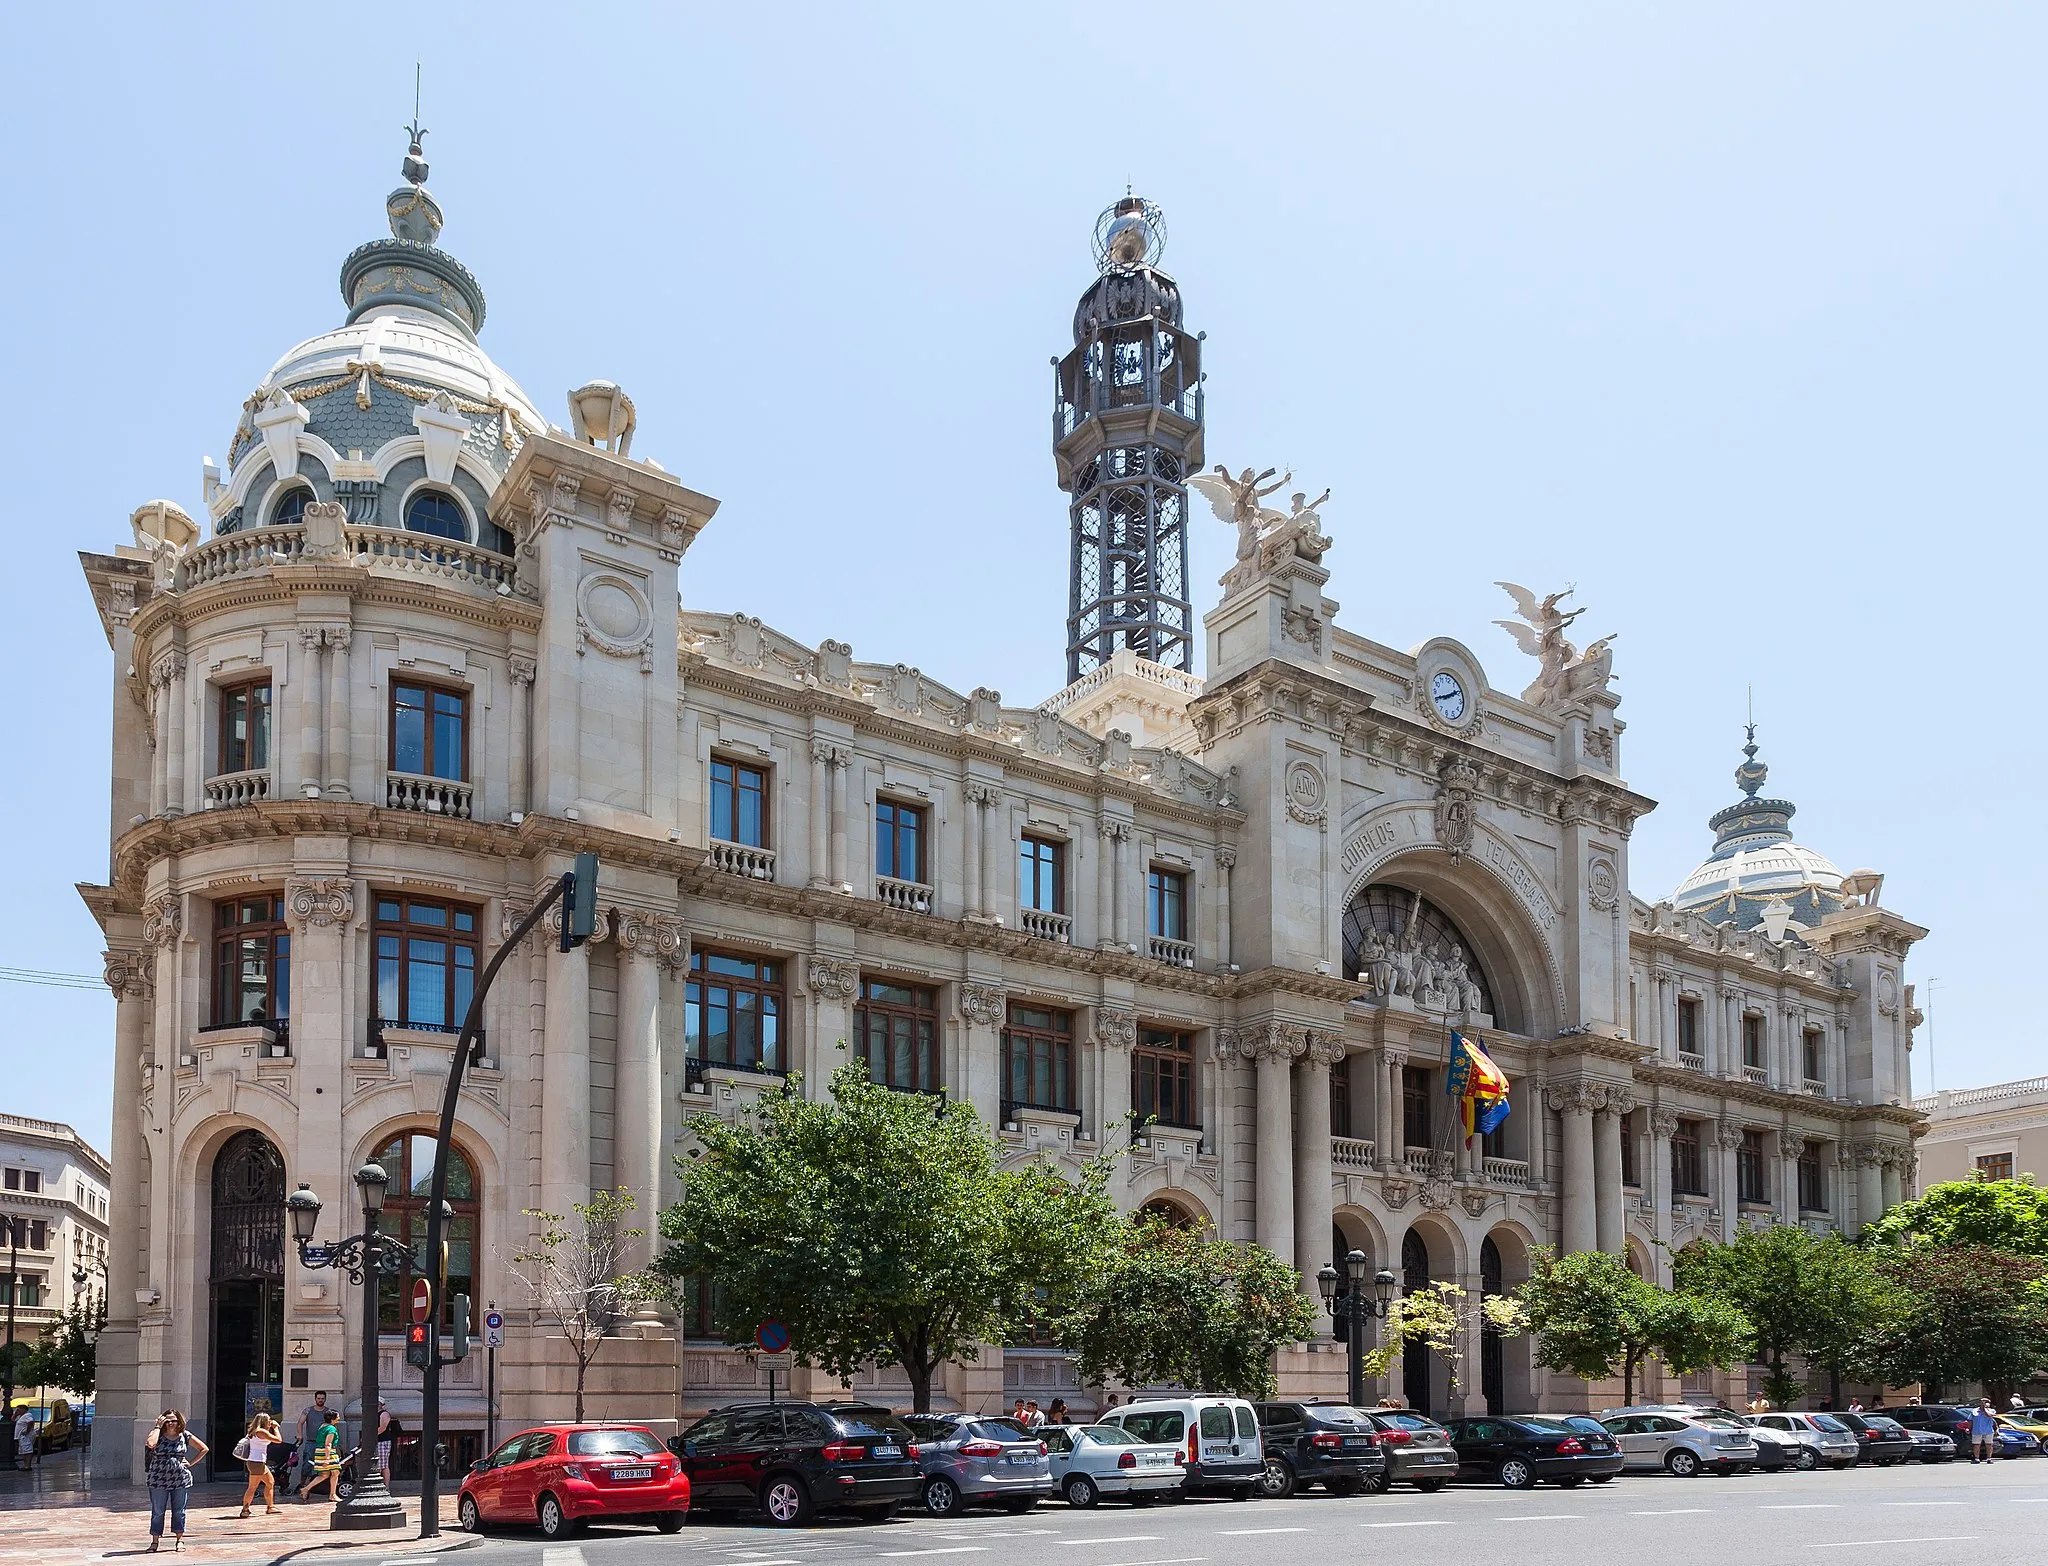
886	1451
1154	1460
1437	1457
632	1473
1022	1457
1357	1443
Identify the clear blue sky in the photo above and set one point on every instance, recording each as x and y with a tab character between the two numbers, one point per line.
1730	314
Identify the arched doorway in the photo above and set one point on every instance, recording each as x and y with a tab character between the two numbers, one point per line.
1415	1353
245	1275
1402	943
1493	1383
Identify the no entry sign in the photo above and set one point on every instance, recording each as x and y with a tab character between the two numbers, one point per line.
422	1298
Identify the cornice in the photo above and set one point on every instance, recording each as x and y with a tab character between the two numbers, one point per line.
283	585
1780	1101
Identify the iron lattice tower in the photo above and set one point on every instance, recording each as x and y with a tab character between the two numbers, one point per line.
1127	430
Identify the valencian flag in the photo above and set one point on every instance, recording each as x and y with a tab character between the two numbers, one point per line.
1479	1086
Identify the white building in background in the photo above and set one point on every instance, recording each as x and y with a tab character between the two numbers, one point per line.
434	646
54	1189
1998	1132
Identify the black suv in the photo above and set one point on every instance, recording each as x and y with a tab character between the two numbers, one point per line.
1331	1444
1949	1419
794	1460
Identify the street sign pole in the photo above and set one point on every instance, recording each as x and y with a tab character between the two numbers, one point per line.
494	1334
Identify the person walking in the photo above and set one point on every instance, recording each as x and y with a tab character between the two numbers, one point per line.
309	1433
169	1454
1983	1431
326	1459
387	1433
24	1434
254	1451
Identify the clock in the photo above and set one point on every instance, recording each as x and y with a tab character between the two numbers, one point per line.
1448	694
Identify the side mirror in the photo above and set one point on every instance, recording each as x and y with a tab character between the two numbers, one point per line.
480	1465
689	1449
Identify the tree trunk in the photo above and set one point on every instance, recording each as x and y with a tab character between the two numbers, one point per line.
582	1366
920	1371
1628	1378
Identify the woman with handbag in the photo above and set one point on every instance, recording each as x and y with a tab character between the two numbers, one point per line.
170	1453
254	1451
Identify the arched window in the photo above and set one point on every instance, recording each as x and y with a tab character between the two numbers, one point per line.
248	1209
408	1159
1169	1212
1386	924
435	511
290	509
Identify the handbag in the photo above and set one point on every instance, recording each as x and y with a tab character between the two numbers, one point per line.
242	1450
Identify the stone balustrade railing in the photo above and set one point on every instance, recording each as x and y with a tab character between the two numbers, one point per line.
236	788
1692	1062
1759	1075
1816	1087
1506	1171
1045	925
1181	954
1426	1161
909	896
238	554
1349	1152
432	796
395	549
756	864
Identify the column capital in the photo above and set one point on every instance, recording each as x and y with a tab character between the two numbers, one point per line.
163	919
319	901
1226	858
1664	1124
1116	831
651	935
1281	1041
168	667
832	979
980	793
984	1004
128	974
1324	1049
1116	1027
524	670
1729	1134
1576	1098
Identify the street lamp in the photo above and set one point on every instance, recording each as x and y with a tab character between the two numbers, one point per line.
14	1228
1354	1309
364	1257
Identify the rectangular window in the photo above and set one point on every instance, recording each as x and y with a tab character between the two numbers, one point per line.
1630	1174
1163	1077
252	961
700	1307
430	731
1749	1168
28	1289
732	1012
1042	874
426	962
38	1234
1810	1043
31	1179
1415	1106
1340	1098
1752	1039
1038	1059
739	803
1995	1166
1813	1183
1685	1159
1166	905
10	1180
245	726
897	1026
899	841
1688	1025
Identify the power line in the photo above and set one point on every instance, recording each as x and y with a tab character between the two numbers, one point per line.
66	981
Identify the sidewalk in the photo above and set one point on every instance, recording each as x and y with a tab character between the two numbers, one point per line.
55	1516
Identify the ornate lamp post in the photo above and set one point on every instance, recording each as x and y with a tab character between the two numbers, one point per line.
1354	1309
363	1257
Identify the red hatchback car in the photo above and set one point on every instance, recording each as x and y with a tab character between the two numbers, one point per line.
558	1477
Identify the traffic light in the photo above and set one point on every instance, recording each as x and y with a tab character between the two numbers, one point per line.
416	1345
579	917
458	1337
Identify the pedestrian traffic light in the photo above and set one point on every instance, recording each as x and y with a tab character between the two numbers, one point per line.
458	1336
579	917
416	1345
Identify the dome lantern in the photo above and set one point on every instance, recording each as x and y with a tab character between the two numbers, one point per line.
1757	876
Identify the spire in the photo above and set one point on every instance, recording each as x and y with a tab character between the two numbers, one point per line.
1752	821
409	268
1749	777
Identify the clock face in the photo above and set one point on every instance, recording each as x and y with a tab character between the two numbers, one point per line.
1448	695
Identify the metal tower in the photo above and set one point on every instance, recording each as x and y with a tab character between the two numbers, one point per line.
1127	429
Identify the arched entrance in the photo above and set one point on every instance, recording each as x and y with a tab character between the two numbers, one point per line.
1415	1353
246	1291
1493	1381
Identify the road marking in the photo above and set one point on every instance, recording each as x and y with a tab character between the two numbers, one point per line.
1121	1538
1420	1522
1803	1506
568	1555
1675	1511
1234	1532
1171	1560
1926	1538
1546	1517
1923	1503
951	1549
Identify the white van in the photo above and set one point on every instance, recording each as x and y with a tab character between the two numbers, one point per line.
1219	1434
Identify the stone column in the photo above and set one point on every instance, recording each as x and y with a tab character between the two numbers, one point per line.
1657	1187
1729	1138
523	670
1226	861
1389	1151
1870	1201
1574	1105
1894	1177
646	941
1314	1206
128	974
834	986
1275	1047
1123	883
177	786
1116	1031
337	712
994	832
1109	890
821	814
974	797
1789	1147
312	730
159	743
1609	1218
842	763
565	1074
984	1008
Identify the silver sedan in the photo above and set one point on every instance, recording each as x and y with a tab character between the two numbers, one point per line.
1093	1461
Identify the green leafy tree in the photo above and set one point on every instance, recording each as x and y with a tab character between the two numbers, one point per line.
574	1278
1812	1296
1594	1318
1972	1313
880	1227
1442	1316
2005	1215
67	1356
1173	1305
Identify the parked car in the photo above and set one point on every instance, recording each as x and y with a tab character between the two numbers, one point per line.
2016	1443
794	1460
1519	1450
1331	1444
1681	1441
1949	1419
1220	1436
1419	1450
1931	1446
2026	1424
979	1459
1884	1440
561	1476
1776	1450
1822	1438
1092	1461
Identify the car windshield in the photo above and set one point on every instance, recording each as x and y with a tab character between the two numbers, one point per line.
1717	1422
1165	1426
612	1443
1001	1430
1539	1425
1879	1422
1828	1422
1393	1419
1337	1414
869	1424
1110	1435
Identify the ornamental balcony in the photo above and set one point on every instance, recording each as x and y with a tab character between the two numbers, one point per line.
229	789
909	896
1815	1087
742	859
1045	925
1693	1062
1350	1152
430	796
1760	1076
1510	1172
1180	954
1423	1162
382	549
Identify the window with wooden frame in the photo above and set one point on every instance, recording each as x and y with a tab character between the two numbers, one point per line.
1038	1059
1749	1169
1994	1166
408	1160
1631	1174
1752	1039
1812	1054
1688	1026
426	956
1813	1179
897	1028
244	726
1340	1097
1685	1160
900	841
739	803
1416	1104
1163	1077
732	1012
252	961
430	730
1166	904
1042	874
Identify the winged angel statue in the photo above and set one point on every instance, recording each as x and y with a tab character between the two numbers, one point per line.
1566	673
1264	536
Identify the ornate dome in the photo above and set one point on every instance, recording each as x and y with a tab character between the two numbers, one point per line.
1757	876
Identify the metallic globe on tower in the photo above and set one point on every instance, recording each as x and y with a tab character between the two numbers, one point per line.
1131	233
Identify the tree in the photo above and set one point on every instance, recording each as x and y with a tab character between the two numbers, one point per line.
1176	1306
1814	1296
573	1277
1594	1317
880	1228
68	1355
1972	1313
2005	1215
1443	1316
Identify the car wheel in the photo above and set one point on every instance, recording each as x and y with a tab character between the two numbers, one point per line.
1277	1482
467	1517
1019	1505
1345	1487
554	1522
1431	1486
1683	1462
1808	1460
1516	1474
1379	1483
671	1522
786	1501
1080	1491
941	1496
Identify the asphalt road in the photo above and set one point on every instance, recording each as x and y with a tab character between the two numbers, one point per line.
1913	1514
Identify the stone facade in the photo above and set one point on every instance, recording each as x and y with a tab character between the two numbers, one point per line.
1996	1132
1262	901
53	1198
